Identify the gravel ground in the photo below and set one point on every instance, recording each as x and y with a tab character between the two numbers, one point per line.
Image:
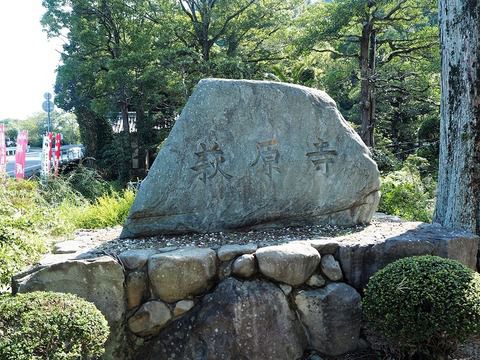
215	240
93	243
469	351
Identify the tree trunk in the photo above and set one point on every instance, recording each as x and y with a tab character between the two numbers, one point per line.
366	86
395	131
206	11
371	80
458	194
125	119
206	50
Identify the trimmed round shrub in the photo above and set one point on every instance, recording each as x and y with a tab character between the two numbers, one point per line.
425	305
48	325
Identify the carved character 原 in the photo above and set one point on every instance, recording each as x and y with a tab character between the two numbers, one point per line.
268	152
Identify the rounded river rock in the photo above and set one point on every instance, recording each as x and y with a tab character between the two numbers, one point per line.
179	274
291	264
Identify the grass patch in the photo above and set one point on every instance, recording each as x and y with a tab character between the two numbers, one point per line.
108	210
25	221
33	214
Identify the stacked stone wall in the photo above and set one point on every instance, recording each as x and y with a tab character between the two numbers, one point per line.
245	301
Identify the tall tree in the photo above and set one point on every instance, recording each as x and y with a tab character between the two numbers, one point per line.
145	56
458	194
238	30
373	33
210	21
112	64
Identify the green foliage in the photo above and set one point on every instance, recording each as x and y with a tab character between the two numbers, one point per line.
406	194
385	159
108	210
116	157
404	58
83	200
17	247
425	305
429	135
23	225
61	122
51	326
88	183
57	190
32	214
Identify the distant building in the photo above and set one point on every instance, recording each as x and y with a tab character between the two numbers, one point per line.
138	161
132	122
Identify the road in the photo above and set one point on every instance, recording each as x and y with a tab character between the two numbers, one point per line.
32	163
33	159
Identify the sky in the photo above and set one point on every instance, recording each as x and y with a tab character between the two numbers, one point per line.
27	59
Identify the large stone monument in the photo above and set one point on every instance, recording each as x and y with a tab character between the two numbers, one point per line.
255	154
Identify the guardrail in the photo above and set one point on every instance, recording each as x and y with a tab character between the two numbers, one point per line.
68	154
74	153
71	154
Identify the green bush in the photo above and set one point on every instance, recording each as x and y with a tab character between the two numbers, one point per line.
18	246
385	159
406	194
80	185
58	189
88	183
51	326
424	305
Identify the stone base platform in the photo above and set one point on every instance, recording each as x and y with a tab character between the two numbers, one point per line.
268	295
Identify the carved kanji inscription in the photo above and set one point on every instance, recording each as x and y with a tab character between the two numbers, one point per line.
267	151
209	163
322	156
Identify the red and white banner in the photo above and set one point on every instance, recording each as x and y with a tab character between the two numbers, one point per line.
20	153
46	151
3	150
58	141
50	137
